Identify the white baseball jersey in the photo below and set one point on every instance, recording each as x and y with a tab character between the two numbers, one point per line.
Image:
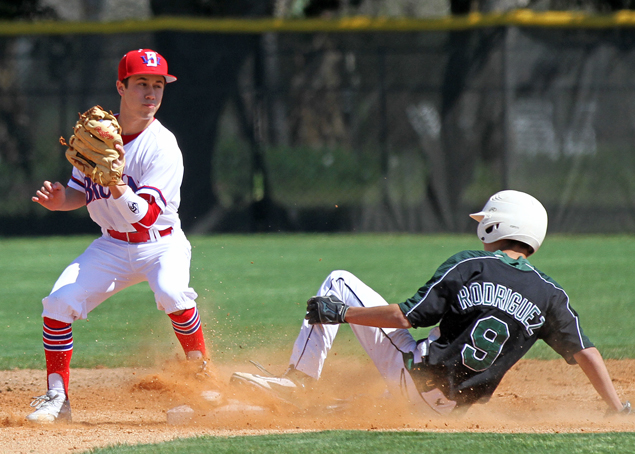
154	166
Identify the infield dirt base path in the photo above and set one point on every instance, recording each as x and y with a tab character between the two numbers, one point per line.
129	406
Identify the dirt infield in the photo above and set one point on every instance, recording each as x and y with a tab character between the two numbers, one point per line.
129	406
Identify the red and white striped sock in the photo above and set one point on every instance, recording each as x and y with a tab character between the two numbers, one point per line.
187	328
58	349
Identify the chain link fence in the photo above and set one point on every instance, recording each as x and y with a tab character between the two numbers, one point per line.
355	131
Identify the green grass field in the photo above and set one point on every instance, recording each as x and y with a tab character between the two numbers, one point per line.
345	442
252	293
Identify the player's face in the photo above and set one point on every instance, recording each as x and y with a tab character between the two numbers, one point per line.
142	97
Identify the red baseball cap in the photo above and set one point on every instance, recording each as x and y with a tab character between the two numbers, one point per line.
144	61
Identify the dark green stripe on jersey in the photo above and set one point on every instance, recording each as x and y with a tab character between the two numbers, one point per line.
490	309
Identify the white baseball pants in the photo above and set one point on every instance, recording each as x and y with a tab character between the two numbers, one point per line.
108	266
383	345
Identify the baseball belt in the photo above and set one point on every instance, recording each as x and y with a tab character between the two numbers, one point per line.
138	237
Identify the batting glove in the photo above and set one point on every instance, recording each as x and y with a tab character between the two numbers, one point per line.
326	310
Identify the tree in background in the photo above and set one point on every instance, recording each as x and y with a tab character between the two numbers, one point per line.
418	8
25	9
15	139
209	66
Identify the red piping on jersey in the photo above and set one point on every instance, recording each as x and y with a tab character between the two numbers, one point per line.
127	138
79	182
158	191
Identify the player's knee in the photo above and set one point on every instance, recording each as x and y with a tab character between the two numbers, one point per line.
169	301
341	274
343	277
166	298
63	306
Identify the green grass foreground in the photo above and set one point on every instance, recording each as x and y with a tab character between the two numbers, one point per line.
253	289
252	293
345	442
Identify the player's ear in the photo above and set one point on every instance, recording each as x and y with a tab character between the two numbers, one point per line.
120	87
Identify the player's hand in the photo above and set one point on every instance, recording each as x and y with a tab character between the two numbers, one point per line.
119	189
327	310
51	195
120	160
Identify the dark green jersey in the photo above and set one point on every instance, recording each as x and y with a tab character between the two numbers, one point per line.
490	309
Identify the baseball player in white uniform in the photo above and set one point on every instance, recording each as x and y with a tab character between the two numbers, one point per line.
141	237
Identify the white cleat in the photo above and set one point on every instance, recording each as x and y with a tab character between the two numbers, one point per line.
50	408
268	383
281	387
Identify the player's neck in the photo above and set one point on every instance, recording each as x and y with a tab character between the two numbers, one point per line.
512	249
133	125
514	254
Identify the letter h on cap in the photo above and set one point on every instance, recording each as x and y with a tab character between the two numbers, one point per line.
151	59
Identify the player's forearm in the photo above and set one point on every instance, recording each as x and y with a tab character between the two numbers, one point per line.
74	200
132	207
389	316
591	362
118	190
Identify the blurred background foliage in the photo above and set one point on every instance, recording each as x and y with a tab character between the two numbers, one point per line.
355	131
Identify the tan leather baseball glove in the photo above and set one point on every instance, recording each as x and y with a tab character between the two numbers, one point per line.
91	149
